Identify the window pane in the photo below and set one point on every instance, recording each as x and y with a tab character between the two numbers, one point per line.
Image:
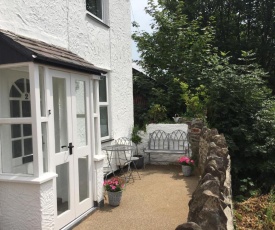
15	131
14	108
21	85
80	95
28	146
16	153
27	86
26	108
14	86
94	7
27	130
102	90
104	121
83	176
62	188
44	146
42	91
60	114
16	149
14	92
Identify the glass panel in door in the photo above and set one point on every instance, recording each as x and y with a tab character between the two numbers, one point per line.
83	178
60	114
80	95
62	188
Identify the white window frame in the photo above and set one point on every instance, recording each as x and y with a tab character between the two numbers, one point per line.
19	159
105	12
106	104
34	120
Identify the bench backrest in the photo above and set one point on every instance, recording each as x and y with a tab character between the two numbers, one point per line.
178	141
158	140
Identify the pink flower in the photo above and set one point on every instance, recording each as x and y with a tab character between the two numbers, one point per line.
184	160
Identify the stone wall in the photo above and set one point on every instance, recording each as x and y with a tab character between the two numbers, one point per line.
211	205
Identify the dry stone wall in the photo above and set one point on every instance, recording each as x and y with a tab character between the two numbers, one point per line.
211	205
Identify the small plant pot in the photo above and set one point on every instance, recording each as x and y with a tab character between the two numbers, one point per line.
186	170
140	162
114	198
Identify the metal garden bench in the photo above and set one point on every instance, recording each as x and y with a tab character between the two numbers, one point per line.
161	142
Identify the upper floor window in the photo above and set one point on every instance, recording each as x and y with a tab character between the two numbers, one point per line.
99	9
95	7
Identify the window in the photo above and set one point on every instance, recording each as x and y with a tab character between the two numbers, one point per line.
98	9
16	137
95	7
104	105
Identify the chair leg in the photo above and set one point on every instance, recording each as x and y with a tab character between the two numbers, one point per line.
136	168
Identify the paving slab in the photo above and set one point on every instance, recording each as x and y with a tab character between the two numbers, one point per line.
159	200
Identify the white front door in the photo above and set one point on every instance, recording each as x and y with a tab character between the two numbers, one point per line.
72	145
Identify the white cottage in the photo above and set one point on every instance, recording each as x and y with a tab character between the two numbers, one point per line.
65	90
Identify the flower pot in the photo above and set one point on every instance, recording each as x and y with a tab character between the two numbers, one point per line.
186	170
140	162
114	198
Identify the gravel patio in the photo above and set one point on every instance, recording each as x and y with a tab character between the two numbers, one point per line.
157	201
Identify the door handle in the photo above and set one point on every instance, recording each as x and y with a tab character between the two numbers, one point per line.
70	147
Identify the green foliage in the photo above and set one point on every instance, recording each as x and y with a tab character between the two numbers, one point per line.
240	107
247	189
239	103
270	211
177	47
157	113
177	50
196	102
135	138
240	25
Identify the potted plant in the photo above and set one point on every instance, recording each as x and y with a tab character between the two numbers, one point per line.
136	139
187	165
114	187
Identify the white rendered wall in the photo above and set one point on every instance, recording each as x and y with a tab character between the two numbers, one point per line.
26	206
66	24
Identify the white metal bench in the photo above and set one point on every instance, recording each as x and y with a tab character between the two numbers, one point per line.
161	142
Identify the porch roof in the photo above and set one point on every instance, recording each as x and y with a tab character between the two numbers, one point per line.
15	48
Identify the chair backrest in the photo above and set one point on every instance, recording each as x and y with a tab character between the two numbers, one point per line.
158	140
178	141
123	141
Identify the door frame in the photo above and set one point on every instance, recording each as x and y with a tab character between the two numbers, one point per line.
76	208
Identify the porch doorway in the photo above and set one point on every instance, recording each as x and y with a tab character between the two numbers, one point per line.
71	145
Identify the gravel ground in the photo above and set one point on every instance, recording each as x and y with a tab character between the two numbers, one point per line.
157	201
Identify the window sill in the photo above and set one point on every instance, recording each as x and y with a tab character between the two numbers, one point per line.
93	17
107	140
28	179
98	158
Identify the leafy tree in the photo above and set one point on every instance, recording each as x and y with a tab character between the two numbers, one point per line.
196	103
240	25
177	47
240	107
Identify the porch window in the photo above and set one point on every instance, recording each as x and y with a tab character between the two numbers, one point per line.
104	106
16	135
98	9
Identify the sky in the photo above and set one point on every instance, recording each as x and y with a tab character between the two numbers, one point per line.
143	19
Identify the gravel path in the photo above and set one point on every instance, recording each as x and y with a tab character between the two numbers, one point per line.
159	201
